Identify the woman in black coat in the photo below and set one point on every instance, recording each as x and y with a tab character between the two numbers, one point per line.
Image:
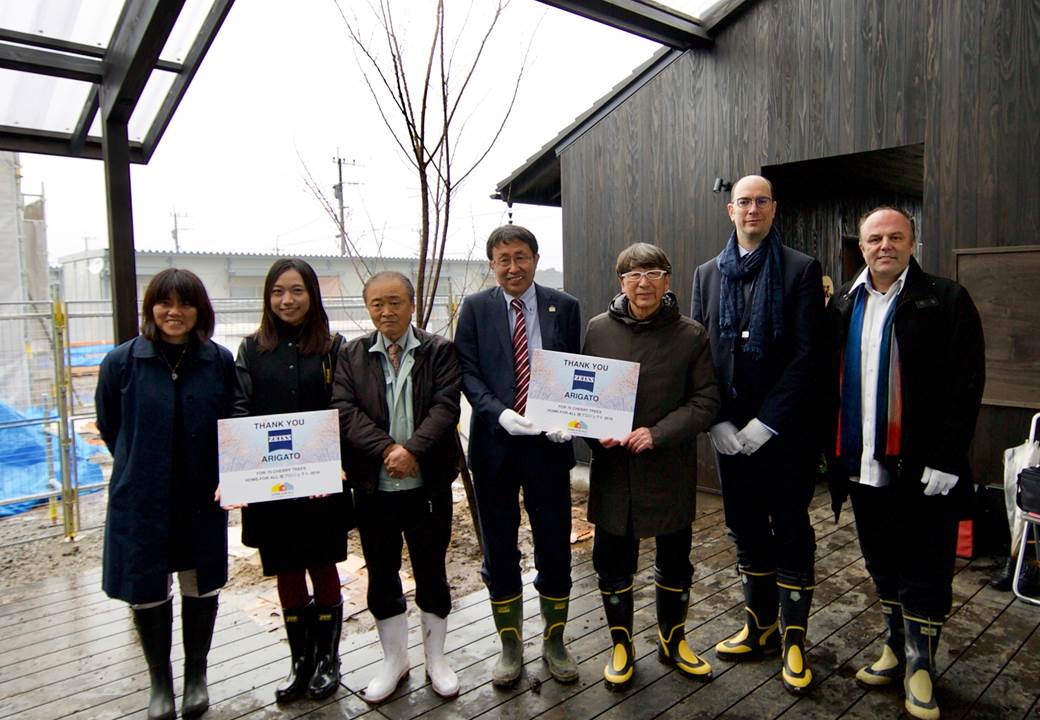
158	399
287	366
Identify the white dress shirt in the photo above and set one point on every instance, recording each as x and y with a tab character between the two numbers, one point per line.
871	472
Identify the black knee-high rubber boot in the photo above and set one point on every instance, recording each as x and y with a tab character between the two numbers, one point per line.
888	668
154	628
617	605
795	604
327	628
198	614
299	628
922	638
760	635
672	649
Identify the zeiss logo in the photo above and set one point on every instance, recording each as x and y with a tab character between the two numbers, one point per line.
279	440
584	380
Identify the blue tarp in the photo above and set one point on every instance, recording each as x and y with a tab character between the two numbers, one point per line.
23	459
89	355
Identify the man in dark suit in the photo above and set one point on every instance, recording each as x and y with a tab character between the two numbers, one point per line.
497	330
907	379
762	303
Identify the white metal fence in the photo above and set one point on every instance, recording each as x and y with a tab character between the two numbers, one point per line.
49	359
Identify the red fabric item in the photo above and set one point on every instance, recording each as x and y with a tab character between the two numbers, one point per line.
520	360
964	540
292	587
292	590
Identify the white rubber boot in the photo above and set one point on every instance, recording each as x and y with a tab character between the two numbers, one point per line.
440	674
393	636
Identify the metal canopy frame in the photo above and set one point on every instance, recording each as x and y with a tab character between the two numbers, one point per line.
118	75
644	18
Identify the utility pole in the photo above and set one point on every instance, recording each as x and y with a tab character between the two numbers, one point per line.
176	232
337	190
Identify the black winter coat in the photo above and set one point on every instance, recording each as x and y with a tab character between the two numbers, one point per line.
781	388
296	533
943	365
360	396
135	401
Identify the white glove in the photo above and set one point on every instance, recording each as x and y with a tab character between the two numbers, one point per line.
558	436
753	436
516	424
936	482
724	437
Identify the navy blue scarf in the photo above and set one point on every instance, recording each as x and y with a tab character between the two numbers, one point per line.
767	293
889	395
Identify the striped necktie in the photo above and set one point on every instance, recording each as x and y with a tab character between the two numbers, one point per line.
520	361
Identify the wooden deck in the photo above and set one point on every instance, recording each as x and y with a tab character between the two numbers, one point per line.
66	651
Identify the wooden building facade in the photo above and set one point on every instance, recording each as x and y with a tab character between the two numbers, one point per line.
933	105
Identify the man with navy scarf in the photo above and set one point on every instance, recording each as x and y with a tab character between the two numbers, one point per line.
762	304
908	374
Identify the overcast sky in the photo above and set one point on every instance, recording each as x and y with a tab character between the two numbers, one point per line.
280	89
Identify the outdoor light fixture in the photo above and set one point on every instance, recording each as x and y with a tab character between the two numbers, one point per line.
721	186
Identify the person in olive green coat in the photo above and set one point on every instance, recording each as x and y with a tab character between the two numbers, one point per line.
644	485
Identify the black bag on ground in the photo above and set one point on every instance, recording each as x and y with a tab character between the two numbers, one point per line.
1028	497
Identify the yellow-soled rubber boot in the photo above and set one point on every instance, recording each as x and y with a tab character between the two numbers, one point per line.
795	603
672	649
620	667
922	637
889	667
760	635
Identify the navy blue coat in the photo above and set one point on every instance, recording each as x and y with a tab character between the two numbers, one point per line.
485	350
135	414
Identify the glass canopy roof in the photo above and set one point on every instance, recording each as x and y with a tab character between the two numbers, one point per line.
693	8
56	54
705	12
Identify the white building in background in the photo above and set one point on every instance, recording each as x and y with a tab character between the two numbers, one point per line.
85	275
25	348
235	283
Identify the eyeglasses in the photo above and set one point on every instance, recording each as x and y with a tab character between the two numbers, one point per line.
505	260
634	276
745	202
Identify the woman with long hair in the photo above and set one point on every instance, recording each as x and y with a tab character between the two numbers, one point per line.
287	366
158	399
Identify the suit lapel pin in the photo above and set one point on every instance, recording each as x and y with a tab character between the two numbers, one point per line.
552	308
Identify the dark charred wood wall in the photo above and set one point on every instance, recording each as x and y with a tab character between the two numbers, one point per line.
790	81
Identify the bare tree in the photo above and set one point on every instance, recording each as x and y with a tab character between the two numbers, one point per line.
422	106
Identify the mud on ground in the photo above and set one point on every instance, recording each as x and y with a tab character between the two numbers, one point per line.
33	549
